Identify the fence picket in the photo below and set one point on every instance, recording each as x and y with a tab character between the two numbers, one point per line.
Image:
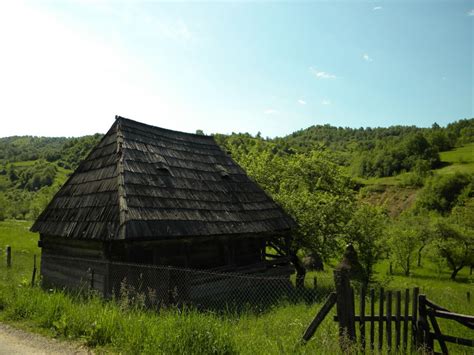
389	321
405	321
397	318
372	317
414	321
381	317
362	317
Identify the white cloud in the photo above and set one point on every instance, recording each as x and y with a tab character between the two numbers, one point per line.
271	111
376	8
321	74
326	102
367	58
302	102
470	12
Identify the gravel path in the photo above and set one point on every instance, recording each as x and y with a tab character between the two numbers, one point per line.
15	341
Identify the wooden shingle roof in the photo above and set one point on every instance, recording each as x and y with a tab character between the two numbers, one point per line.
145	182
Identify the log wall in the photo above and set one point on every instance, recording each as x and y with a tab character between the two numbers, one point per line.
71	263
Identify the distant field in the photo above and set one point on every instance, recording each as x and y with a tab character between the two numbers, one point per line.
460	159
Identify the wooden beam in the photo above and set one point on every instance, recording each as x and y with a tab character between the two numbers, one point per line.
330	302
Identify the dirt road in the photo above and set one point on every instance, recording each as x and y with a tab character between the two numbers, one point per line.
15	341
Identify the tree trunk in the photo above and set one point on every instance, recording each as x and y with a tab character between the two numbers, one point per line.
300	269
455	272
407	270
419	255
317	262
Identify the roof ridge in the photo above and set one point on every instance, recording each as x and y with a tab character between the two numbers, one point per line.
125	119
122	194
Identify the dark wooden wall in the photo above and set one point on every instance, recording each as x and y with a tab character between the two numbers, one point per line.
63	265
196	254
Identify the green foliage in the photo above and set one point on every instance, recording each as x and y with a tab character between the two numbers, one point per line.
309	186
442	192
67	152
454	238
366	231
402	242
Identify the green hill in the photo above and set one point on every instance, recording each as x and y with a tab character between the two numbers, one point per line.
400	157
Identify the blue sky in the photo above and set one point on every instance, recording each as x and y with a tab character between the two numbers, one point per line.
68	67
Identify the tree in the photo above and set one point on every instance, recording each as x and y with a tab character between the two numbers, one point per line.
366	230
310	187
454	239
402	243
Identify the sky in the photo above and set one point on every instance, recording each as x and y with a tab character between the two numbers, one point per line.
68	67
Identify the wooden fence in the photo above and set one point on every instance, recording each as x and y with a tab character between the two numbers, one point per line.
428	312
404	319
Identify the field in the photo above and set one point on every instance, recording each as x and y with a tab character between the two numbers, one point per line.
459	160
115	327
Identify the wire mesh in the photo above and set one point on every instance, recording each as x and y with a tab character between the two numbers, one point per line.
157	286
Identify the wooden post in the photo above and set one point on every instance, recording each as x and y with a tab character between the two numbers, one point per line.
330	302
414	321
34	271
423	326
398	306
389	321
344	305
372	320
468	295
362	317
381	299
405	321
9	256
347	268
92	278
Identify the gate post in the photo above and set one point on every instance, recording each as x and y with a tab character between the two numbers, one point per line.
348	268
344	304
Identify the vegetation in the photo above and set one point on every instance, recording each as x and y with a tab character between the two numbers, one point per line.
118	327
403	196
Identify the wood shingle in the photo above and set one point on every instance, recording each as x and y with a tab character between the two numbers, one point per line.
145	182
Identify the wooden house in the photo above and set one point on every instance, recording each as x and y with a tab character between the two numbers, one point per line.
148	195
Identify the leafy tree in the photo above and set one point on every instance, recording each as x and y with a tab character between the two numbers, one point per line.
402	243
366	232
455	244
310	187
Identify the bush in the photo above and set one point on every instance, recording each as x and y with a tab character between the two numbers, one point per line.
441	193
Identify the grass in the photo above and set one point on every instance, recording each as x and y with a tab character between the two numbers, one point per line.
458	160
113	327
461	155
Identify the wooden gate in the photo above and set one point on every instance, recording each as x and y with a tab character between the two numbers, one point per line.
404	319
